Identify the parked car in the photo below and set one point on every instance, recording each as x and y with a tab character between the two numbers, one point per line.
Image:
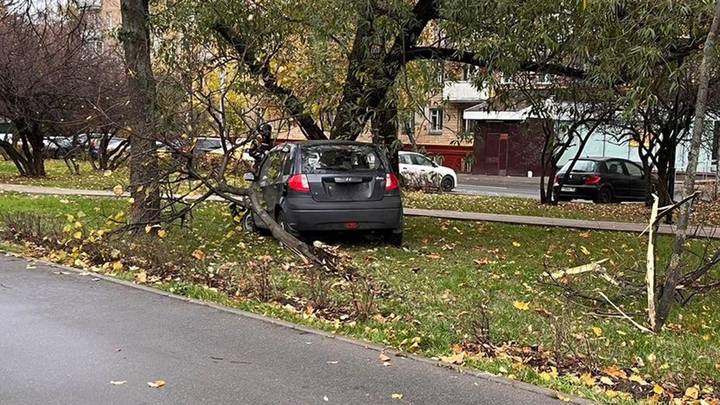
418	164
329	186
113	144
239	153
56	147
602	180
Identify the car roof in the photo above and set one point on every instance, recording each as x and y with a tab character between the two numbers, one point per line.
332	142
604	158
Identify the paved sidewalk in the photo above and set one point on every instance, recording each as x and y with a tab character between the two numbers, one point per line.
65	336
695	232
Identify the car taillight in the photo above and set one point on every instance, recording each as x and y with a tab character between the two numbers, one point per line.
391	182
592	180
299	183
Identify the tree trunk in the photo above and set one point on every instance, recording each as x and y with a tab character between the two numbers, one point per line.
384	130
33	149
674	273
144	171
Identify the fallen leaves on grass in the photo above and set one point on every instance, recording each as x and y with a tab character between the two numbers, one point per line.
199	254
141	277
521	305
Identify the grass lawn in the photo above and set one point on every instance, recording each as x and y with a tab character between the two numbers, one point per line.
58	175
428	296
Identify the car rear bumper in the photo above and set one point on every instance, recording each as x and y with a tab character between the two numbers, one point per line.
306	214
579	191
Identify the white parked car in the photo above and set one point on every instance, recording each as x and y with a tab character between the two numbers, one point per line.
418	164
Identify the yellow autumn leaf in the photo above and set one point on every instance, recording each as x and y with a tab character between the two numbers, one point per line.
615	371
156	384
199	254
516	244
606	380
456	358
521	305
562	397
692	393
117	266
587	379
545	376
597	331
636	378
141	277
118	190
658	389
162	234
78	235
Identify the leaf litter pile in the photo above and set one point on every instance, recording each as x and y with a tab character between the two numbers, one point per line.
467	294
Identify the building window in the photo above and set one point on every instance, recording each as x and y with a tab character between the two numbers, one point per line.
436	120
470	72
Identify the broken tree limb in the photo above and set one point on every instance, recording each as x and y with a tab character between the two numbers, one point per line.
317	256
650	262
626	316
595	266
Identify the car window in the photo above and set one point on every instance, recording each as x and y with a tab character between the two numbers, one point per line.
404	159
208	144
421	160
581	166
339	158
271	170
633	169
615	167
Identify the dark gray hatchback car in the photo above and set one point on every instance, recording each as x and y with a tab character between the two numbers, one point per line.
330	186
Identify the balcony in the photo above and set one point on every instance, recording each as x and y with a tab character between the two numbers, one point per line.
463	91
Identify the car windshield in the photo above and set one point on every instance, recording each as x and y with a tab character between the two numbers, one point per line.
339	158
209	144
581	166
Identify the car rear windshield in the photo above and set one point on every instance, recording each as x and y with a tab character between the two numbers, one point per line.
339	158
581	166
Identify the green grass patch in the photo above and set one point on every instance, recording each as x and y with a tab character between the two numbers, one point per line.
58	175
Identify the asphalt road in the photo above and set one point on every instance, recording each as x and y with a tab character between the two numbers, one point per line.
64	337
498	186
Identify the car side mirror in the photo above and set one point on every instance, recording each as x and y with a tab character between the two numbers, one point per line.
249	176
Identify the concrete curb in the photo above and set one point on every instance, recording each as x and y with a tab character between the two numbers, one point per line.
280	323
630	227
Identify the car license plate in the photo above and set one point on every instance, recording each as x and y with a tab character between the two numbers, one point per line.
568	189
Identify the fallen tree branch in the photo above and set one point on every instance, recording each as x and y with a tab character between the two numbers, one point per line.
626	316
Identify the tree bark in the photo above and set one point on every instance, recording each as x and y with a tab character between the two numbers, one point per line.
674	273
144	171
385	129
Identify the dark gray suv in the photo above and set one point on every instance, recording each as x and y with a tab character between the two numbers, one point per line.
330	186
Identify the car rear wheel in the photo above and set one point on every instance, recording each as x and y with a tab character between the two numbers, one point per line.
394	238
605	196
248	222
282	221
447	184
